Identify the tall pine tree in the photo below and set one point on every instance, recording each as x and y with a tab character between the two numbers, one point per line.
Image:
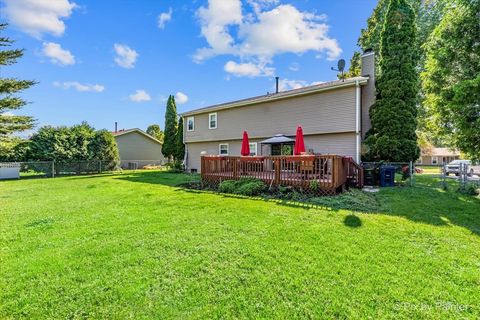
170	133
394	114
180	147
9	87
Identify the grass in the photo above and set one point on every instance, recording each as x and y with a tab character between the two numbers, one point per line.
135	246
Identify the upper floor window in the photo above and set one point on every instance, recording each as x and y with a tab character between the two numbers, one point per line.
253	148
212	121
190	123
223	149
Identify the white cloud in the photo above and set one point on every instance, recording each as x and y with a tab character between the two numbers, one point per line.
125	56
36	17
57	54
294	67
164	17
259	36
286	84
215	21
140	96
248	69
181	98
79	86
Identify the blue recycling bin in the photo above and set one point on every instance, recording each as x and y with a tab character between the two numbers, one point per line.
387	176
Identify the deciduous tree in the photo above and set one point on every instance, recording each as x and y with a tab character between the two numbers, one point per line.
155	131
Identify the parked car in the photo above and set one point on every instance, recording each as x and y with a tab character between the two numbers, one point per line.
454	167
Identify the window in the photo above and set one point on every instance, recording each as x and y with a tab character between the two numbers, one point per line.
253	148
212	121
190	123
223	149
434	160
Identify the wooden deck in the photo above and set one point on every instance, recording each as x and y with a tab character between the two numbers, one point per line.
328	173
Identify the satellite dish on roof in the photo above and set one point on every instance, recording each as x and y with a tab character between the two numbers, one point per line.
341	68
341	65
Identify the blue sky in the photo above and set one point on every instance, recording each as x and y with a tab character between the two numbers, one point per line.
106	61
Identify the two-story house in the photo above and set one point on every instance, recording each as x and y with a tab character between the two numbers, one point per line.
334	117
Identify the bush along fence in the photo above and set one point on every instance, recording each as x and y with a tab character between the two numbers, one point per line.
50	169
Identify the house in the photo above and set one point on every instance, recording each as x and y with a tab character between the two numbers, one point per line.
438	156
138	149
334	116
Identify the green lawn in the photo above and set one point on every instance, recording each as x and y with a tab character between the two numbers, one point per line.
135	246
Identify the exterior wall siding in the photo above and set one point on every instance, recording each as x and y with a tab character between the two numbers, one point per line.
331	111
335	143
135	146
427	160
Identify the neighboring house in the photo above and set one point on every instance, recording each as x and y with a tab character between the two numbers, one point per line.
438	156
334	117
138	149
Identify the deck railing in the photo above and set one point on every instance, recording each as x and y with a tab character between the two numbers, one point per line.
326	172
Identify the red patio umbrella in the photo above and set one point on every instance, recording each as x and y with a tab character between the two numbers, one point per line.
245	145
299	143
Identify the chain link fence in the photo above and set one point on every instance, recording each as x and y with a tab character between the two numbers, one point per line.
50	169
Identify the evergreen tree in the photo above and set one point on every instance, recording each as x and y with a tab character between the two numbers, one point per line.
10	123
355	66
394	114
180	147
155	131
169	140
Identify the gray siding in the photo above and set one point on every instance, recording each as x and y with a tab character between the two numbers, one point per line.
136	146
330	111
336	143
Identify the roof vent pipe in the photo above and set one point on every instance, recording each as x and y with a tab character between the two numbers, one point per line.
276	84
116	126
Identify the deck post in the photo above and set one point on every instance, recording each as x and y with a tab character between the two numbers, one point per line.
277	171
235	169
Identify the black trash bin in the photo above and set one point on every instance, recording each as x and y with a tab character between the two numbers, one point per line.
387	176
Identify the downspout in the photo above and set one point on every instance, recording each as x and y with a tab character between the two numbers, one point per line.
358	93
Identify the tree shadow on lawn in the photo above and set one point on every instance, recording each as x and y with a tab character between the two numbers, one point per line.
425	203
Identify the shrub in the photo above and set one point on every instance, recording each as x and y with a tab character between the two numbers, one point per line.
175	167
228	186
471	189
244	186
252	188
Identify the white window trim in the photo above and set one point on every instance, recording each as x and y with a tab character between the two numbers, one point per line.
254	143
436	160
220	149
193	121
209	121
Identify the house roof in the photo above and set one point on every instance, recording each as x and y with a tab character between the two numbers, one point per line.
281	95
127	131
442	152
